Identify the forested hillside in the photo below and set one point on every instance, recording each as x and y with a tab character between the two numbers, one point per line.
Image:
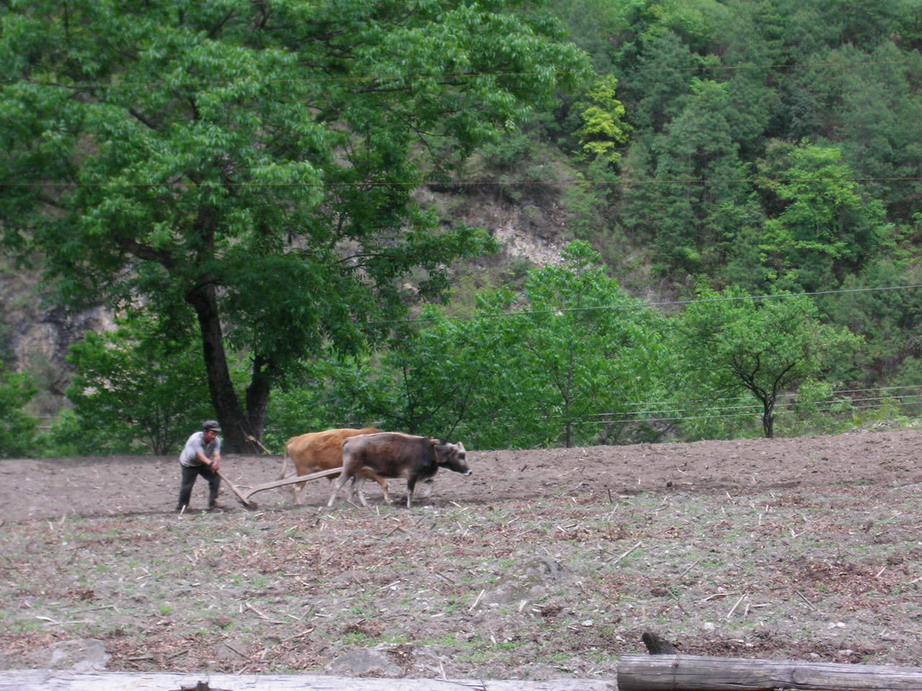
306	215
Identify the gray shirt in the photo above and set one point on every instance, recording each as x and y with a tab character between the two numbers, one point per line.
196	443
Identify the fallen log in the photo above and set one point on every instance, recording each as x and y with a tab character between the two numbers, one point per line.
700	673
58	680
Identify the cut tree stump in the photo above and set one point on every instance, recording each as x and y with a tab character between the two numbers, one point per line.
657	645
697	673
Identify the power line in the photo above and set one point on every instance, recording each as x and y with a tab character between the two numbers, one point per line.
643	406
77	84
559	311
371	184
742	410
735	412
754	414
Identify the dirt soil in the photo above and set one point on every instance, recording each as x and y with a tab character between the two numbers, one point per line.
543	564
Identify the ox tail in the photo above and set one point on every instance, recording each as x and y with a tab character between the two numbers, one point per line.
286	461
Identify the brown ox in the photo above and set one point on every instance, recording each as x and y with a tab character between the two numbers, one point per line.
319	451
391	455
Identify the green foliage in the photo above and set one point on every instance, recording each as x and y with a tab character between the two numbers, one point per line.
824	229
603	127
17	429
815	408
256	166
651	103
587	200
571	363
587	355
256	174
441	371
135	390
730	344
692	178
888	320
336	392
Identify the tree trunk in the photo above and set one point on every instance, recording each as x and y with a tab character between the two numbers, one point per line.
657	645
258	397
234	425
768	419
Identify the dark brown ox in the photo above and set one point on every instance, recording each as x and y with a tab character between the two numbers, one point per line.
319	451
392	455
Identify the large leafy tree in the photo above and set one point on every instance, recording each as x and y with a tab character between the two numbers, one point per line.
248	167
571	360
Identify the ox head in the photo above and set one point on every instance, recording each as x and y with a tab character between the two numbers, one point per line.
452	456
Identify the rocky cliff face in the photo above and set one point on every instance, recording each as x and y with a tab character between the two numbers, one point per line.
36	336
51	335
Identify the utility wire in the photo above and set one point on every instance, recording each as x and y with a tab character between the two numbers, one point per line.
371	184
754	411
559	311
386	79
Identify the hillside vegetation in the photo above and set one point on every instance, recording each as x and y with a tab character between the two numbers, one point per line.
625	221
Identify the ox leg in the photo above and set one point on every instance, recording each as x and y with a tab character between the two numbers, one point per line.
337	485
383	482
411	485
297	493
283	473
358	483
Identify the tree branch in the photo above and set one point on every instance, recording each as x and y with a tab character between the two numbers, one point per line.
147	253
143	120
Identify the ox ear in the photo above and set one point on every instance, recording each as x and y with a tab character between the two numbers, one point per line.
461	448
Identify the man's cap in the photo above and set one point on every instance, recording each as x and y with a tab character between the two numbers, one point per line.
211	425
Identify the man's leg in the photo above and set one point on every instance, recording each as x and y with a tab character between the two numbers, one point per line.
214	484
185	488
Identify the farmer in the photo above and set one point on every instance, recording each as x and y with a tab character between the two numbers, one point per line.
201	456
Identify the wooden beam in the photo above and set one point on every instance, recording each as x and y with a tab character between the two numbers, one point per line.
290	480
698	673
60	680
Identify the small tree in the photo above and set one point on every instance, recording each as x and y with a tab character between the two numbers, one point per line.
603	128
731	343
570	361
136	389
587	351
17	429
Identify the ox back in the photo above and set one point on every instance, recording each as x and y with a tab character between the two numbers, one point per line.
315	451
392	455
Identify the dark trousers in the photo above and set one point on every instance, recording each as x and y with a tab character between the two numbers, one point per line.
189	475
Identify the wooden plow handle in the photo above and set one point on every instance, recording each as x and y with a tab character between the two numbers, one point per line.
289	481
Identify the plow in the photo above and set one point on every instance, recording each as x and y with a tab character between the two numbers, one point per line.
244	492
